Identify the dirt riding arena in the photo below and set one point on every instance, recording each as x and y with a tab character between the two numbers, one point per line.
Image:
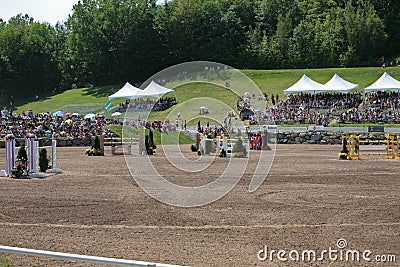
309	201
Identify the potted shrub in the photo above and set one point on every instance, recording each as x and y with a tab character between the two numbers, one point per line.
149	149
43	160
21	154
264	141
239	150
193	148
20	169
95	149
344	152
151	140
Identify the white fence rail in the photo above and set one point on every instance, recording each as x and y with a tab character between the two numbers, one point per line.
82	258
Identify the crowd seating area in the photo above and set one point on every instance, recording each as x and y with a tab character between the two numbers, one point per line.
322	109
149	104
46	125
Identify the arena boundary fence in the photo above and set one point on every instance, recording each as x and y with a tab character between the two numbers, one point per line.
82	258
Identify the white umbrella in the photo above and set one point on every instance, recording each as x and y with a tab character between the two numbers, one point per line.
116	114
90	116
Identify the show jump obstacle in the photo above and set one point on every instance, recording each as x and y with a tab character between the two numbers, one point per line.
213	146
208	146
389	148
32	150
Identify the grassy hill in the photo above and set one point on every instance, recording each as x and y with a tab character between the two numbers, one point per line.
87	100
198	91
82	100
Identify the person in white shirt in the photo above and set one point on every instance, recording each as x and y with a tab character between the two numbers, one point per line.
4	113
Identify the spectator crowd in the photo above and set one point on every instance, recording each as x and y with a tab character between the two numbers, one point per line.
321	109
46	125
378	107
149	104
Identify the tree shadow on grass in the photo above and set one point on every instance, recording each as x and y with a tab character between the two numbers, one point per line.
31	99
98	91
101	91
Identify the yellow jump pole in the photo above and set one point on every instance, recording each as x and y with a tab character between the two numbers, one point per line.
398	147
357	147
351	142
349	147
390	147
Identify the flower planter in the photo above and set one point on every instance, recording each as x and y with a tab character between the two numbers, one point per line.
19	173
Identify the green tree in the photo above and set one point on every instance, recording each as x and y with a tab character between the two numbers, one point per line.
365	33
111	41
27	62
282	40
388	11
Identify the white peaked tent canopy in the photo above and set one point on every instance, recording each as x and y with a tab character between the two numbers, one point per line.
337	85
154	90
128	91
304	85
384	83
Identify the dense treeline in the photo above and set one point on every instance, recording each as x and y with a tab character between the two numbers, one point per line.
112	41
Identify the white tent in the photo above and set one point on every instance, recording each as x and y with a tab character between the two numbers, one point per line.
154	90
128	91
304	85
384	83
337	85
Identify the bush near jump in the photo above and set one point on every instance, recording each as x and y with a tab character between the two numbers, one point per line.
95	150
149	143
43	160
239	150
344	152
20	170
193	148
222	153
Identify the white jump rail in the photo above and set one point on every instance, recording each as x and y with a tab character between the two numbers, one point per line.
83	258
